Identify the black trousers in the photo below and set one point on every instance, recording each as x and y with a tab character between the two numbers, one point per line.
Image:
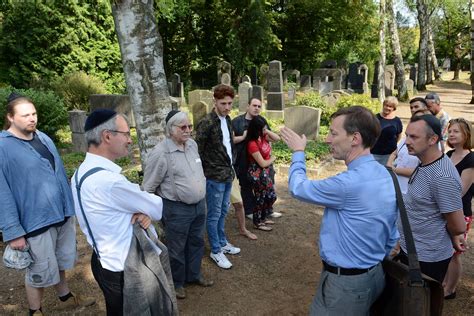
436	270
111	284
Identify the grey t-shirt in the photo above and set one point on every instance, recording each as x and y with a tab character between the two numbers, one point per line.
433	190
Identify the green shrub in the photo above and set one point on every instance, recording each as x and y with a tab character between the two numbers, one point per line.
52	114
359	99
315	151
313	99
75	88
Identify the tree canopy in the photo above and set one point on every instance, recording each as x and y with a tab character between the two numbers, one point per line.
42	40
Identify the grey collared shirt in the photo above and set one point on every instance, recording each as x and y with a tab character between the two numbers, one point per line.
184	168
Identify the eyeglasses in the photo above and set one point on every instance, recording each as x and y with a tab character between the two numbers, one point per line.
183	127
127	134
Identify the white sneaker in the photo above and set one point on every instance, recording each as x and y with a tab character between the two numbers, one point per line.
249	216
275	214
230	249
221	260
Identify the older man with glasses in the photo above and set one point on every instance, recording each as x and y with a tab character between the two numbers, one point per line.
174	172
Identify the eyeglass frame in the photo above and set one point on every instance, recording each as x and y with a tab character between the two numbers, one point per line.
183	127
127	134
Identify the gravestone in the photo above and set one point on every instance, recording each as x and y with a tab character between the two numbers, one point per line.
331	98
317	84
305	82
245	91
196	96
327	79
325	87
225	79
357	78
77	120
117	102
414	73
364	71
275	99
410	87
328	64
257	92
246	78
336	76
291	95
291	72
446	64
253	75
177	89
303	120
199	110
223	67
389	78
374	91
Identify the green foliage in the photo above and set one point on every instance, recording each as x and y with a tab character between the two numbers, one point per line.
130	170
71	161
44	39
315	151
359	99
313	99
52	114
75	89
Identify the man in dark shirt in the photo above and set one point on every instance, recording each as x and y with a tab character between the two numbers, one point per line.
214	138
240	125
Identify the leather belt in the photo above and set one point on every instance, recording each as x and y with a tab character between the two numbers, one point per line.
345	271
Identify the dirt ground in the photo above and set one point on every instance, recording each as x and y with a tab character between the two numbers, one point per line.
275	275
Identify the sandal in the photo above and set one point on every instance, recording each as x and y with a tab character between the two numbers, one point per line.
263	227
269	222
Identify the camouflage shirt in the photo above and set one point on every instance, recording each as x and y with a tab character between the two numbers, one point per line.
215	160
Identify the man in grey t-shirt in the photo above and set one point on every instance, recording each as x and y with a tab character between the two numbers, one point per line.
433	200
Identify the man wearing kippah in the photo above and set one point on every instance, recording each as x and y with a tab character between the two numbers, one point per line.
109	205
433	200
434	105
36	207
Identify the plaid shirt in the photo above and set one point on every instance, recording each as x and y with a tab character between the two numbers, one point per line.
215	160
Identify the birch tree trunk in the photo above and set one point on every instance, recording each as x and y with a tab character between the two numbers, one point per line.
381	78
472	50
397	53
423	21
434	59
142	58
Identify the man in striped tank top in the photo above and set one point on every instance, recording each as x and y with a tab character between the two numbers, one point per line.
433	200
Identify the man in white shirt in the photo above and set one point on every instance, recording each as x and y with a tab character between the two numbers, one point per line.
109	204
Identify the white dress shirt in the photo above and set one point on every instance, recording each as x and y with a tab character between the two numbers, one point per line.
109	201
226	137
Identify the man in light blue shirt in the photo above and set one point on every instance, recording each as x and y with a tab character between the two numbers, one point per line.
359	223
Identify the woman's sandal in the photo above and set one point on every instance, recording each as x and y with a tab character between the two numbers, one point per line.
263	227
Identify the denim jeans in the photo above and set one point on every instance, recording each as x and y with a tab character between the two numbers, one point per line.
218	199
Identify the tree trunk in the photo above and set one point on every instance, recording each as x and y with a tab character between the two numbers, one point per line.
434	59
381	78
397	53
429	67
457	68
142	58
423	20
472	50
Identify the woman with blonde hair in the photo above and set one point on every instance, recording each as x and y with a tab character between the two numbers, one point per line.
459	138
